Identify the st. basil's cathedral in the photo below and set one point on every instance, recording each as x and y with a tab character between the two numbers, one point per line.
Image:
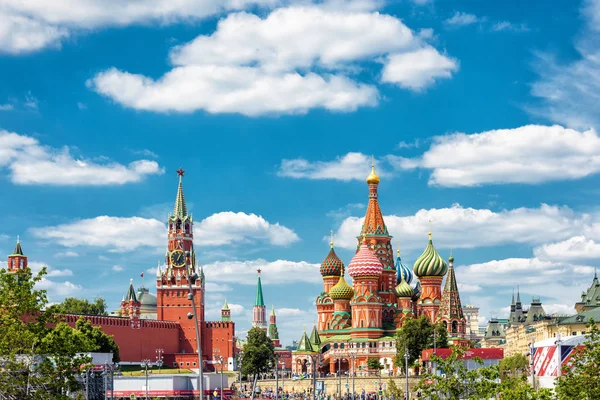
360	321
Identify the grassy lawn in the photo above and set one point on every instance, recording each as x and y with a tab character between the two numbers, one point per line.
136	370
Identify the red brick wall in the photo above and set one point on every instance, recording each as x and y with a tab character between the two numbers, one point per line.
217	339
137	344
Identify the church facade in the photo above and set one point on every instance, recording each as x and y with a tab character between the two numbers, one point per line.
359	321
171	331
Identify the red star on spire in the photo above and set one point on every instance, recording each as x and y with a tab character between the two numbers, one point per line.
180	172
258	270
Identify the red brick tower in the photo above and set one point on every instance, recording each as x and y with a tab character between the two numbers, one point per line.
172	283
451	311
17	261
379	241
130	307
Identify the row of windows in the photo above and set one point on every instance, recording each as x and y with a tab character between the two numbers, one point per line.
362	345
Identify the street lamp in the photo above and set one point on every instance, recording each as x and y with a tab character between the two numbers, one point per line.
239	365
276	376
194	315
282	378
146	363
314	361
352	354
159	358
406	366
219	360
558	344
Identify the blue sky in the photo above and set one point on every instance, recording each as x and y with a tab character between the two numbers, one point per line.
482	117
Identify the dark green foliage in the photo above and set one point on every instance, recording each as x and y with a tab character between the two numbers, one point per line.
72	305
417	334
581	378
374	364
102	342
259	353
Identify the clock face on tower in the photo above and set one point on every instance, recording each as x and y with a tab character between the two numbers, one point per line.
177	259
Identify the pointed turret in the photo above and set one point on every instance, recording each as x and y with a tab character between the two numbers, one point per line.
451	311
259	318
511	316
18	251
315	339
304	345
130	306
225	312
373	224
273	333
180	209
130	295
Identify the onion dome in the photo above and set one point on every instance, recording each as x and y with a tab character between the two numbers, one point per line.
364	263
416	292
341	290
332	265
373	178
430	263
403	273
403	289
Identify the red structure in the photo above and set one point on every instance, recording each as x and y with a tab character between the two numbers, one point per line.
484	354
172	331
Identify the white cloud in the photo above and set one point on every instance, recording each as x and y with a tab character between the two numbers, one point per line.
528	154
346	211
574	248
31	163
58	290
418	69
561	309
22	34
292	60
352	166
273	272
509	26
230	227
465	227
461	19
6	107
81	106
468	288
66	254
564	99
216	288
127	233
118	268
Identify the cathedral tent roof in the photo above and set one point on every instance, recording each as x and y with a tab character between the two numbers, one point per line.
304	345
315	340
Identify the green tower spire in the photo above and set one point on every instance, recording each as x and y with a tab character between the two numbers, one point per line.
259	302
180	209
18	251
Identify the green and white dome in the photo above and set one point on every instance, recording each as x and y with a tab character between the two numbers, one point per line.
430	263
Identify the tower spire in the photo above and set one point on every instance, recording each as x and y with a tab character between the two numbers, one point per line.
18	250
259	317
180	209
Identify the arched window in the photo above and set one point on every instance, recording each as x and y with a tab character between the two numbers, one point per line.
454	326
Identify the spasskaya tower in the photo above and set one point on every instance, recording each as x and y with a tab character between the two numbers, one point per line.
172	283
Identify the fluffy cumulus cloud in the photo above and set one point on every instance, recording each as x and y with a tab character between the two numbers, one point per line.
55	288
352	166
275	272
528	154
126	233
465	227
574	248
564	99
31	163
292	60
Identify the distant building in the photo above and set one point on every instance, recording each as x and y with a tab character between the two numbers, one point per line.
495	334
471	313
591	298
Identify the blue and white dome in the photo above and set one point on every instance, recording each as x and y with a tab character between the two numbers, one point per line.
402	271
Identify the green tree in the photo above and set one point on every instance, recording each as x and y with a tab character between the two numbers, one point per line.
101	342
374	364
580	379
393	390
514	366
417	335
39	358
259	354
72	305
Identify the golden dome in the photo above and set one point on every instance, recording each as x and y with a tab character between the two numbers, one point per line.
373	178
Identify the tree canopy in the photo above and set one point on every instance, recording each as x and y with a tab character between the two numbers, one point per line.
580	378
373	363
417	335
72	305
259	353
39	353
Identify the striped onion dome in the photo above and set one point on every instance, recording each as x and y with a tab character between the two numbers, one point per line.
364	263
417	291
430	263
402	271
403	289
332	265
341	290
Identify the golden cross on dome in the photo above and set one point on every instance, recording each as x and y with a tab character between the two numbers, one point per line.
430	229
331	238
398	249
180	172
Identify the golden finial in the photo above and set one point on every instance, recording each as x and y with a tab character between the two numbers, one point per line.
364	239
430	235
372	178
331	238
398	250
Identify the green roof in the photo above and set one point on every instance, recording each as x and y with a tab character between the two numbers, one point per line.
259	295
304	345
582	318
18	251
315	340
131	293
180	209
225	306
